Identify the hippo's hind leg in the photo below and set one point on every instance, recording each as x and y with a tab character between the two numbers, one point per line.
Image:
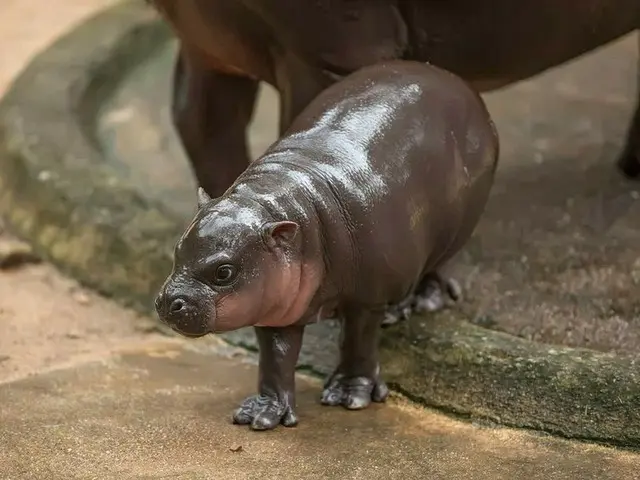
211	112
432	294
399	312
356	381
629	161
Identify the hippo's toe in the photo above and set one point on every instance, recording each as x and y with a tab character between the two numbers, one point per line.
397	313
353	393
263	412
434	292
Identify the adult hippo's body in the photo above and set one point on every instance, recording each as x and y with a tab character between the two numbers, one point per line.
300	47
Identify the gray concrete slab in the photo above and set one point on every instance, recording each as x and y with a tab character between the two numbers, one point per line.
162	410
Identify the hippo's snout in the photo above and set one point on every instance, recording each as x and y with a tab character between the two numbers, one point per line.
166	308
181	310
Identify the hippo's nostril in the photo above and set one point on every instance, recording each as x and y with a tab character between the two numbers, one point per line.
177	305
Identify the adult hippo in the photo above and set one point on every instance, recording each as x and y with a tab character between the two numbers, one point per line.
301	47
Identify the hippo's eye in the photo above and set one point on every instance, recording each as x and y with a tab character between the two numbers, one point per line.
225	274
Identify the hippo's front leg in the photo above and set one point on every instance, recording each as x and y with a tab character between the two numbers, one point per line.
275	402
356	382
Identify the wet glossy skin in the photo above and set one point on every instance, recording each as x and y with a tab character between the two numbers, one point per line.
375	186
228	46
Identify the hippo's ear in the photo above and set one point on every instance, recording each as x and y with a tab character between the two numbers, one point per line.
278	234
203	197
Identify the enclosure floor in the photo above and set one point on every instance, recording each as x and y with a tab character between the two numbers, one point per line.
89	390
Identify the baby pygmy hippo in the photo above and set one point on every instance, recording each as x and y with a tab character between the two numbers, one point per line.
379	181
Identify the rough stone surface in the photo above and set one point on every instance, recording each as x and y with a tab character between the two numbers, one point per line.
92	219
163	411
510	381
14	253
55	188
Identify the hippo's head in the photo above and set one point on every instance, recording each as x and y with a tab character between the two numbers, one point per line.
233	267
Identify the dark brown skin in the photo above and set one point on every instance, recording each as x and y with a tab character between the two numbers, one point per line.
378	183
302	46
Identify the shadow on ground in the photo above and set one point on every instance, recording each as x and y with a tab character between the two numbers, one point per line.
163	411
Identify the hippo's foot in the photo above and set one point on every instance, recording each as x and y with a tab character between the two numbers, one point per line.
265	412
431	295
434	291
354	392
399	312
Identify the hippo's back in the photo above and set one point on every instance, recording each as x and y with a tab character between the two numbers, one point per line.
410	152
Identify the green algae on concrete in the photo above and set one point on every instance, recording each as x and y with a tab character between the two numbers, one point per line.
83	214
467	370
55	190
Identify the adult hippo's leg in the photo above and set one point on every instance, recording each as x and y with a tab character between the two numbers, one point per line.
356	381
211	112
298	85
629	161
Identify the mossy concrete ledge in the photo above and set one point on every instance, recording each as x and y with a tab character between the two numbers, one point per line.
481	374
56	190
78	211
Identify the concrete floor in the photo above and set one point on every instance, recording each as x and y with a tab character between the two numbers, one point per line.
162	410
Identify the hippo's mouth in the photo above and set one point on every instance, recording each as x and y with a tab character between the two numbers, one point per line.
190	334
